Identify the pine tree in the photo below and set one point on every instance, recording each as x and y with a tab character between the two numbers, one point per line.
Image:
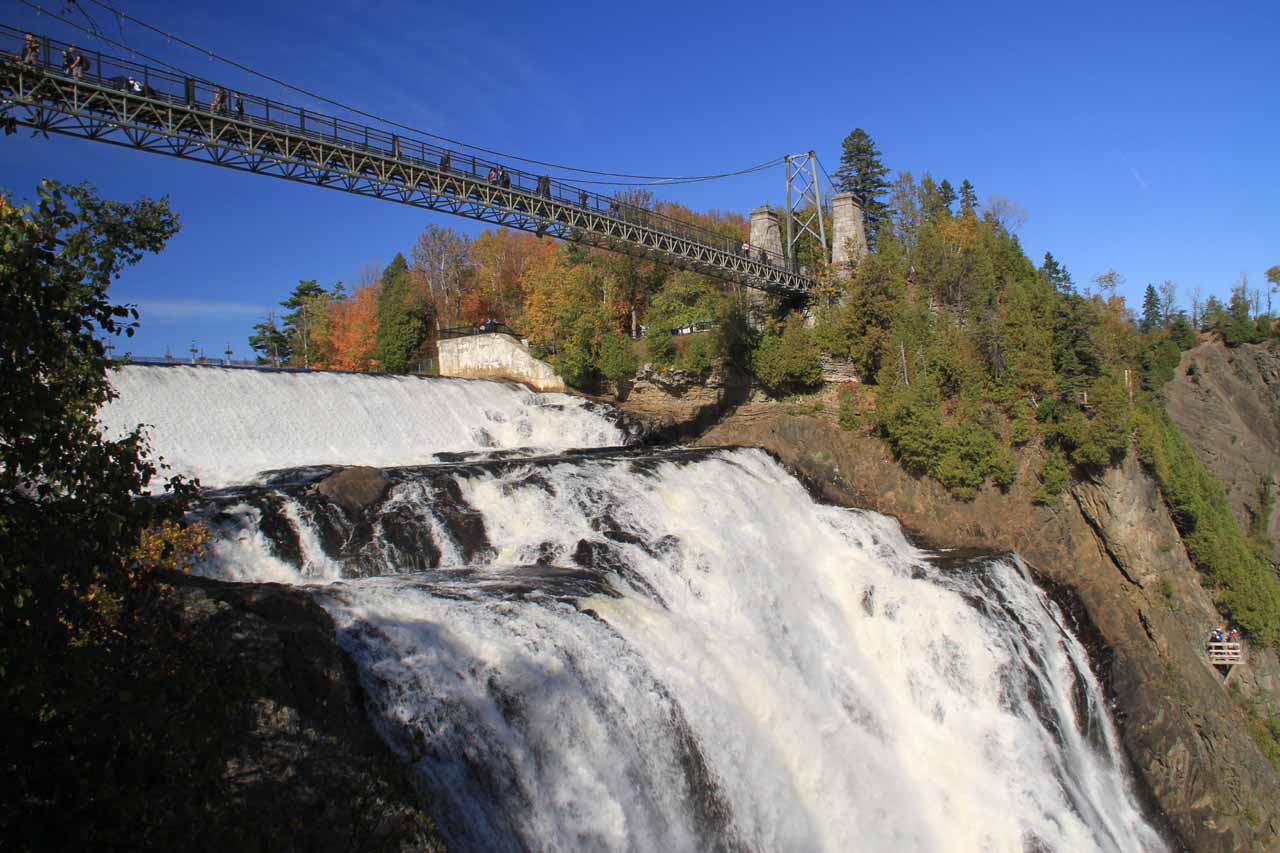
1056	275
401	326
968	199
932	204
862	173
270	343
1150	311
947	193
305	306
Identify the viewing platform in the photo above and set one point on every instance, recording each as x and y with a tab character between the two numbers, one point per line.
1225	653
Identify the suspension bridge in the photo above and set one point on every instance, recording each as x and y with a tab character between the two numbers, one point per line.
124	103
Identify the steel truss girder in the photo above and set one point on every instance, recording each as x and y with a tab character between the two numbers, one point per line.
52	103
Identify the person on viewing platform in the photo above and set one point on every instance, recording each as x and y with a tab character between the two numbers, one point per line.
1233	636
582	198
219	103
504	178
30	49
239	105
72	62
1217	635
493	175
446	162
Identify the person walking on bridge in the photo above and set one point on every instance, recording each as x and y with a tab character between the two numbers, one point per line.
72	62
219	104
30	49
504	178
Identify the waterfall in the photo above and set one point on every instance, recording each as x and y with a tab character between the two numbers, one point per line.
683	650
226	425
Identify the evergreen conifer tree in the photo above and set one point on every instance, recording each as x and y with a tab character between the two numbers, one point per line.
1056	275
1150	311
272	345
401	328
931	199
862	173
968	199
947	194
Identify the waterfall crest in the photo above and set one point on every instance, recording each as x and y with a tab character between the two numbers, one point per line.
226	425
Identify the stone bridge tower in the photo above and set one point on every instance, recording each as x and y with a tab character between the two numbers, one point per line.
765	231
848	233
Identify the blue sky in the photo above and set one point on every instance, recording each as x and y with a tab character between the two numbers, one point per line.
1139	136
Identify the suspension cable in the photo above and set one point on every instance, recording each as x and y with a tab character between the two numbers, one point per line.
179	70
657	179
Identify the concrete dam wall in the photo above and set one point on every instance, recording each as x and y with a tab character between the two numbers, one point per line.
497	356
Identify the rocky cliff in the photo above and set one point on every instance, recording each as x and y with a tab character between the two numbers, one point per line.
1113	544
281	716
1227	403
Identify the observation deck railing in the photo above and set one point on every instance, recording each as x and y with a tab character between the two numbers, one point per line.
126	103
1225	653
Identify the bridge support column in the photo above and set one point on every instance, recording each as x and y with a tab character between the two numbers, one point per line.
765	231
848	233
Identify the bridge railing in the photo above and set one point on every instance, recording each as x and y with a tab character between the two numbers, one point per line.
197	93
478	329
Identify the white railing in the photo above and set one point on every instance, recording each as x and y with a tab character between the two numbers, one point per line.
1225	653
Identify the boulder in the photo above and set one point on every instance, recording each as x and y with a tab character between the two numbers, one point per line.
355	489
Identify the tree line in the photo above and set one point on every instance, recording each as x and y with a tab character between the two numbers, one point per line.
576	305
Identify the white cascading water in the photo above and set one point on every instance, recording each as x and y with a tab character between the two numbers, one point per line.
225	425
683	651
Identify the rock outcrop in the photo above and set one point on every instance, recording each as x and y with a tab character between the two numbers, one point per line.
1227	403
674	405
1114	545
355	488
303	769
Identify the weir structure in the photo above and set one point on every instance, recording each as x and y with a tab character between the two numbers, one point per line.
124	103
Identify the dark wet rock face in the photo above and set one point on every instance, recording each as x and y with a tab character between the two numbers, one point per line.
303	768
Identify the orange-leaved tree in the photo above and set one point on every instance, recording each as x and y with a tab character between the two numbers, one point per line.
352	330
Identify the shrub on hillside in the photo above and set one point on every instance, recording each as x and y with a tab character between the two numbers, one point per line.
660	349
617	359
696	354
908	419
848	413
788	361
1053	475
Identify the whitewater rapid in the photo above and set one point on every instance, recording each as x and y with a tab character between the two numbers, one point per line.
226	425
683	651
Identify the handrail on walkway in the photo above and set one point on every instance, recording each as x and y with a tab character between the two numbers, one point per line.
1225	653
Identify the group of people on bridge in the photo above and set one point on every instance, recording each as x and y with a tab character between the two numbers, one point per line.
73	62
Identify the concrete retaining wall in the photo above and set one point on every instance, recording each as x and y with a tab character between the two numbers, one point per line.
497	356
